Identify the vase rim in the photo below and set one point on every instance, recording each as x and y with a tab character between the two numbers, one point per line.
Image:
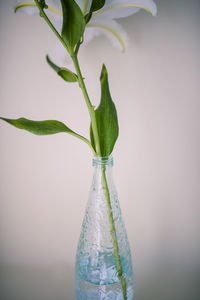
102	161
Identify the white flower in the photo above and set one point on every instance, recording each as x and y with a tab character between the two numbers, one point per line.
102	21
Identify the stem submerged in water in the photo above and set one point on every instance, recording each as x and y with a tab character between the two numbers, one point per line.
113	232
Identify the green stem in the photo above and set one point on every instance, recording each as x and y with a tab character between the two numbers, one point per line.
80	78
43	15
88	103
84	140
113	233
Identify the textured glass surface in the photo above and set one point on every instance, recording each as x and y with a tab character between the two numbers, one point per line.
96	270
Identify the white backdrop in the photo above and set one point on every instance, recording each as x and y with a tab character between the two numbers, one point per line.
44	181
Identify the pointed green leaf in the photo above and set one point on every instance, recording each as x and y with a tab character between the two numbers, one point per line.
52	65
96	5
39	127
46	127
88	17
73	24
106	117
65	73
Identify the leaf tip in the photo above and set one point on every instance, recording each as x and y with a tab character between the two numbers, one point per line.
104	72
47	58
3	119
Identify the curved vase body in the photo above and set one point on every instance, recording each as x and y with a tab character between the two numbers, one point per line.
99	259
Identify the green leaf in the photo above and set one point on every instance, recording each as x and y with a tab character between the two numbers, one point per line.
39	127
106	117
96	5
65	73
73	24
88	17
46	127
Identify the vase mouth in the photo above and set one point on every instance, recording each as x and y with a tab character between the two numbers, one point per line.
102	161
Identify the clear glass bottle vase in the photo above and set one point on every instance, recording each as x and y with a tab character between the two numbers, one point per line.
103	259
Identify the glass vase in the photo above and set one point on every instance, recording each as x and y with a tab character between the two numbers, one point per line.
103	259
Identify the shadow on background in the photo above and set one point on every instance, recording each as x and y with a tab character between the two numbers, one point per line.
171	284
57	283
37	283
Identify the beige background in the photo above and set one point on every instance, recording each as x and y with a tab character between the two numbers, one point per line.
44	181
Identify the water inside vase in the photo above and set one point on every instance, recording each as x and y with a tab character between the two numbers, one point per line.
97	278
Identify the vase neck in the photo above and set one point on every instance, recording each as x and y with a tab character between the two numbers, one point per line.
102	161
102	167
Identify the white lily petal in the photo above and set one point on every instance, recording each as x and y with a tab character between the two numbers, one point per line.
124	8
54	6
55	19
108	27
29	9
84	5
54	11
80	3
